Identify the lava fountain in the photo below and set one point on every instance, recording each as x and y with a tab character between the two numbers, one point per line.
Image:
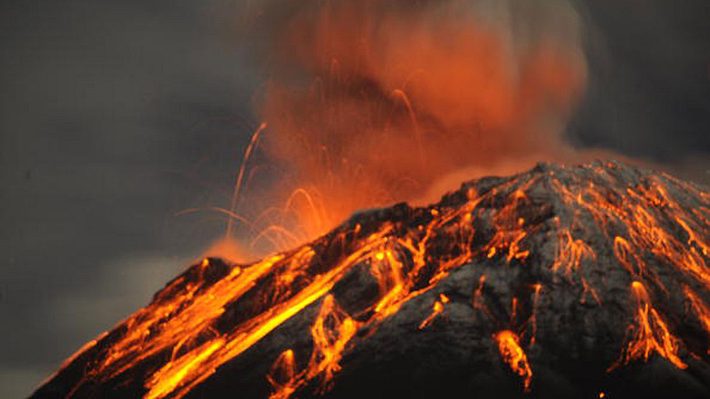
373	102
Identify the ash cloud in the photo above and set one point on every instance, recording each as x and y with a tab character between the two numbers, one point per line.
371	102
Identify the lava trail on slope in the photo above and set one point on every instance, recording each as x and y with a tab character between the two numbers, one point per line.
563	281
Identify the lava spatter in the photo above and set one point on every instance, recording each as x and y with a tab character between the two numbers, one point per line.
514	356
436	310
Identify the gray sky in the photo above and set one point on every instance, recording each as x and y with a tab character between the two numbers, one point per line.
116	115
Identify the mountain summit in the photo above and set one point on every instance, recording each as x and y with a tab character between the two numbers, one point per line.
583	281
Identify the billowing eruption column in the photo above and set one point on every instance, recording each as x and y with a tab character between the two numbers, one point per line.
372	102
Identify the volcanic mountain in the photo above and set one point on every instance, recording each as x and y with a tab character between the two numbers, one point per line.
563	281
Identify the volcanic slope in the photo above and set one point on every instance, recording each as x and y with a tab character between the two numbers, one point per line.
563	281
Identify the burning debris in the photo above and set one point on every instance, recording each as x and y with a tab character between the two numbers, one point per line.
373	102
557	282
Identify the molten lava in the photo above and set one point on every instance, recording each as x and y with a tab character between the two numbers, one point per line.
651	333
628	244
514	356
437	309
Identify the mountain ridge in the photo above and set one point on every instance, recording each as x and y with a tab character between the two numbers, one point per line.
567	281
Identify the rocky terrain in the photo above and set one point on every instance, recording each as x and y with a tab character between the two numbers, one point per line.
562	281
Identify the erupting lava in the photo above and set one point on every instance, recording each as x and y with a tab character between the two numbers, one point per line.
373	102
585	273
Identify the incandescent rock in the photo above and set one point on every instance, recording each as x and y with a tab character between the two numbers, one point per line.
557	282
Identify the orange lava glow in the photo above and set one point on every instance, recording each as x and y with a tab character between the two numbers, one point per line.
478	302
537	289
331	332
283	375
182	325
514	356
701	311
571	253
645	231
436	310
650	334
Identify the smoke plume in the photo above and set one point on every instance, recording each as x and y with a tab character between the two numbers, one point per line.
373	102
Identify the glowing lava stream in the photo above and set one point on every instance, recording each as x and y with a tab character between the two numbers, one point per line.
407	251
650	333
701	310
331	332
514	356
177	378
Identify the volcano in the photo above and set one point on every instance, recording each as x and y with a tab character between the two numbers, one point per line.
563	281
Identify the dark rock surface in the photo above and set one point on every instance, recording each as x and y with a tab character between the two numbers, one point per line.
550	254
